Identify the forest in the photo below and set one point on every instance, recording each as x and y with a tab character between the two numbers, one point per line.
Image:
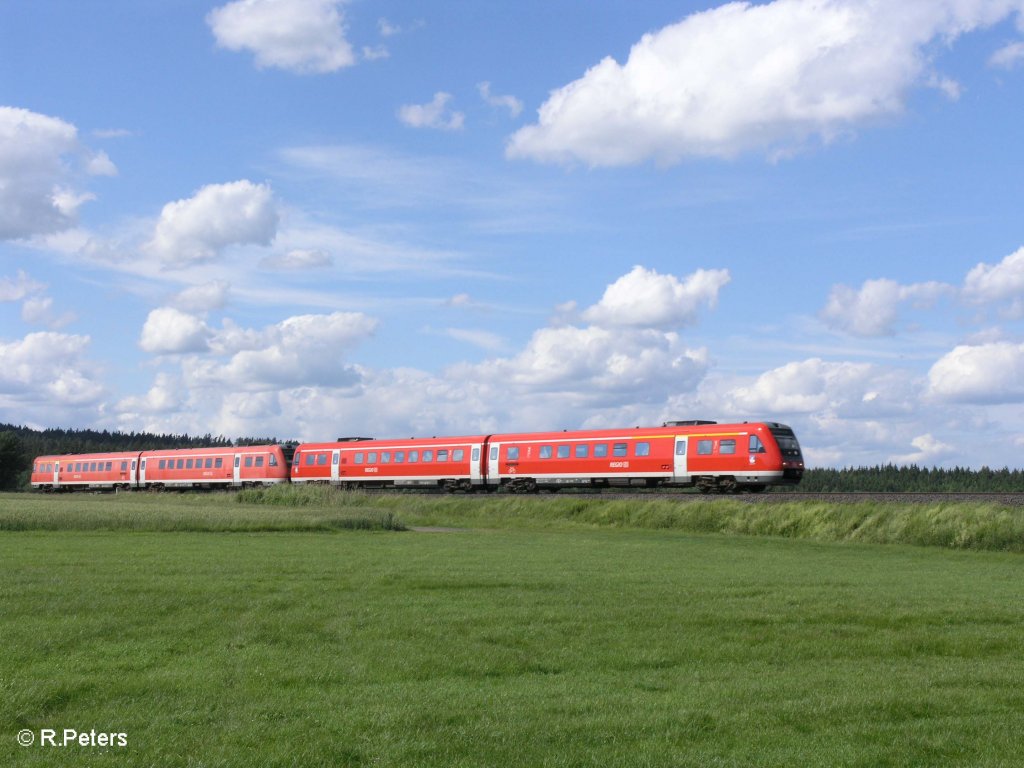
19	445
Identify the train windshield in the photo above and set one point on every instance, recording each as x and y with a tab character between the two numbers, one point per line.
787	441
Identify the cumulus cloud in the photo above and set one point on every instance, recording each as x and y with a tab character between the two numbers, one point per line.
745	77
217	216
643	298
435	114
170	331
301	36
997	283
39	310
165	396
50	369
202	298
983	373
874	309
827	390
302	351
930	451
41	165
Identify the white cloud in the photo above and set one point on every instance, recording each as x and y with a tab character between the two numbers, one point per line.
38	310
302	351
218	215
745	77
511	103
434	114
164	397
826	390
930	451
170	331
299	259
1002	282
646	299
874	309
1009	56
302	36
203	298
17	288
48	369
41	161
984	373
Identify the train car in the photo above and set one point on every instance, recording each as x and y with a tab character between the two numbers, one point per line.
711	457
213	467
452	463
85	471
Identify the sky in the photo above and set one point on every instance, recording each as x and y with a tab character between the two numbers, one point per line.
315	218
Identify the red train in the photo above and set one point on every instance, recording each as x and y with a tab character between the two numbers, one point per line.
181	469
709	456
712	457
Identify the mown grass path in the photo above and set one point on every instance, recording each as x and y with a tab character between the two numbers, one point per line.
508	648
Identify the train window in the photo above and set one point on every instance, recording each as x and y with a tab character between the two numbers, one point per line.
414	456
124	466
681	448
513	453
399	457
442	455
582	450
78	466
563	452
310	458
248	460
600	450
92	467
371	457
359	457
110	465
181	463
459	454
321	459
334	459
545	452
476	454
756	446
188	463
704	447
209	463
620	449
642	449
162	465
727	446
428	455
273	460
385	458
494	453
259	461
218	463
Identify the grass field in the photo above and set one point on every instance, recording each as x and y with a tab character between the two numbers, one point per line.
218	633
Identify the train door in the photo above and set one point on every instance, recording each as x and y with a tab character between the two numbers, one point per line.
335	465
238	469
142	471
56	474
476	458
680	472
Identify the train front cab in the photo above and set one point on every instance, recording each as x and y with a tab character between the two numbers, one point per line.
727	458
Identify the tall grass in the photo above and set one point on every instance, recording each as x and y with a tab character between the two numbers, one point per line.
953	524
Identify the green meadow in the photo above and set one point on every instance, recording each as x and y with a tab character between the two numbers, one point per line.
345	630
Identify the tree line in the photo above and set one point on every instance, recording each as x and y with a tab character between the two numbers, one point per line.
890	478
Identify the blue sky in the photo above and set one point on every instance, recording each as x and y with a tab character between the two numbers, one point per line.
314	218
